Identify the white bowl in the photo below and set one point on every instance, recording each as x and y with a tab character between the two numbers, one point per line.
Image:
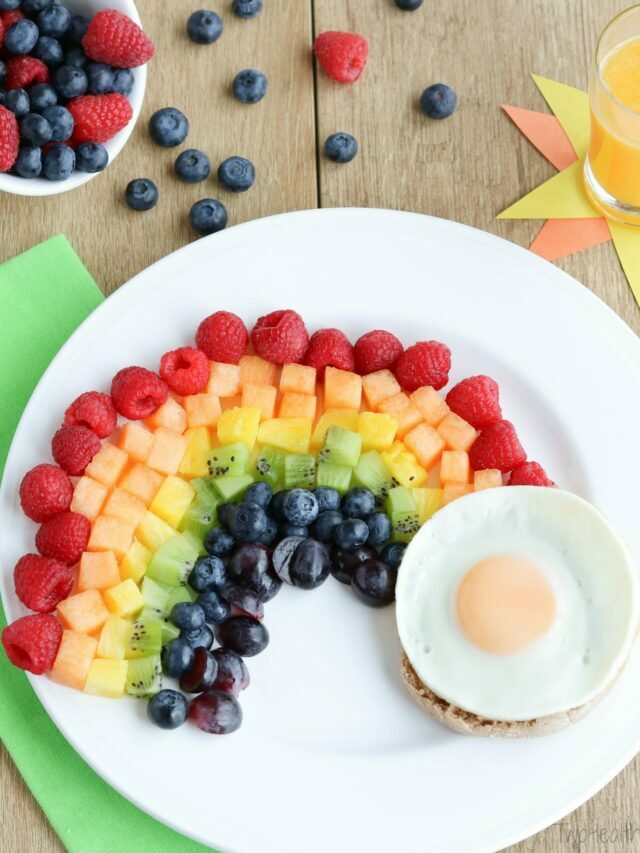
41	186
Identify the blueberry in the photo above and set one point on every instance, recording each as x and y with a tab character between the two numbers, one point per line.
192	166
438	101
358	503
76	29
208	573
99	78
309	565
123	80
247	8
351	534
3	71
91	157
76	57
374	582
141	194
259	493
204	27
244	635
32	7
216	609
340	147
379	526
3	96
219	542
18	102
327	498
35	129
343	563
250	86
54	21
168	127
202	674
287	529
59	162
187	616
248	522
61	122
325	524
392	554
168	709
277	503
29	162
300	507
41	96
408	5
21	37
224	514
200	639
49	51
236	174
6	5
70	82
208	216
177	657
271	532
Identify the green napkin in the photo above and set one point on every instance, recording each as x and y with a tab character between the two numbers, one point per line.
44	294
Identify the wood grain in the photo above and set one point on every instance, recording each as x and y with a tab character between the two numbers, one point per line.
466	168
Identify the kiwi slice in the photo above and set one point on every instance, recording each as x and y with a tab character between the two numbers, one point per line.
337	477
299	471
229	488
403	512
270	466
155	594
202	514
172	562
145	637
341	446
371	473
231	460
144	676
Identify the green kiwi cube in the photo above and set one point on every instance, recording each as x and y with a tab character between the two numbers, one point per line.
371	473
230	488
341	446
144	676
270	466
337	477
154	594
231	460
145	637
173	561
403	512
299	471
202	514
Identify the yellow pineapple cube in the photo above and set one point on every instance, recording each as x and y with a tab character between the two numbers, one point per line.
345	418
454	467
298	378
111	534
430	404
167	451
456	432
106	678
114	638
257	371
202	410
142	482
427	501
401	408
425	444
403	466
295	405
88	497
379	386
239	424
98	570
136	441
342	389
153	532
135	561
490	478
262	397
124	599
378	430
452	491
173	499
289	434
170	415
84	612
224	379
194	461
107	465
122	504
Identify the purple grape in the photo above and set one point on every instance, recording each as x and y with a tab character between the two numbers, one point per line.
202	674
233	675
216	713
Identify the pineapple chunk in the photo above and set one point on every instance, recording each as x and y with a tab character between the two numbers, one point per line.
107	465
224	379
172	500
404	467
427	501
84	612
194	461
289	434
73	660
114	638
88	497
298	378
153	532
135	561
378	430
239	424
345	418
124	599
106	678
170	415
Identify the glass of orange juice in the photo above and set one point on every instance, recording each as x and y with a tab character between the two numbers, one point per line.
612	165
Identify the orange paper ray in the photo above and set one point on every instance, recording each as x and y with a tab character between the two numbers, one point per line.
545	132
561	237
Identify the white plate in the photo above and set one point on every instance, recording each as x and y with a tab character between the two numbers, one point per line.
333	754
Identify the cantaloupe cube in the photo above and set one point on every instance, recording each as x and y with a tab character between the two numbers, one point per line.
122	504
231	402
153	532
171	415
378	386
457	433
106	678
114	638
135	561
455	467
289	434
262	397
430	404
136	441
240	424
124	599
173	499
345	418
295	405
452	491
194	461
202	410
111	534
142	482
378	430
107	465
490	478
73	660
84	612
298	378
98	570
167	451
88	497
402	410
257	371
342	389
224	379
425	444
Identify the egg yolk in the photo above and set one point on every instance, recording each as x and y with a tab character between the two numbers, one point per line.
504	603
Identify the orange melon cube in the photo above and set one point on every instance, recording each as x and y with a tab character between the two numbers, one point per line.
457	433
403	410
170	415
430	404
142	482
298	378
454	467
107	465
124	505
224	379
379	386
202	410
88	497
111	534
452	491
136	441
425	444
490	478
257	371
342	389
167	450
295	405
73	660
98	570
262	397
231	402
84	612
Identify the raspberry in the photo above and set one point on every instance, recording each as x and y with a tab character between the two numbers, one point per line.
41	583
32	642
477	400
329	348
425	363
24	71
497	446
342	56
10	17
73	447
376	350
64	537
280	337
185	370
93	410
99	117
114	38
138	392
44	492
529	474
9	139
222	337
2	28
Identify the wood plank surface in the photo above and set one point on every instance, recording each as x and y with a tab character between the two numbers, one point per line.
466	168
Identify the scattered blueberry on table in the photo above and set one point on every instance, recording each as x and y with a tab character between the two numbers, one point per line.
192	166
208	216
438	101
408	5
168	127
141	194
250	86
204	27
236	174
341	147
247	8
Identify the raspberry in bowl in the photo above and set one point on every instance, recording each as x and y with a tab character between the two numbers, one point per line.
96	92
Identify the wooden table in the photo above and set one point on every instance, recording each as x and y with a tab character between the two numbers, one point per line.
466	168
